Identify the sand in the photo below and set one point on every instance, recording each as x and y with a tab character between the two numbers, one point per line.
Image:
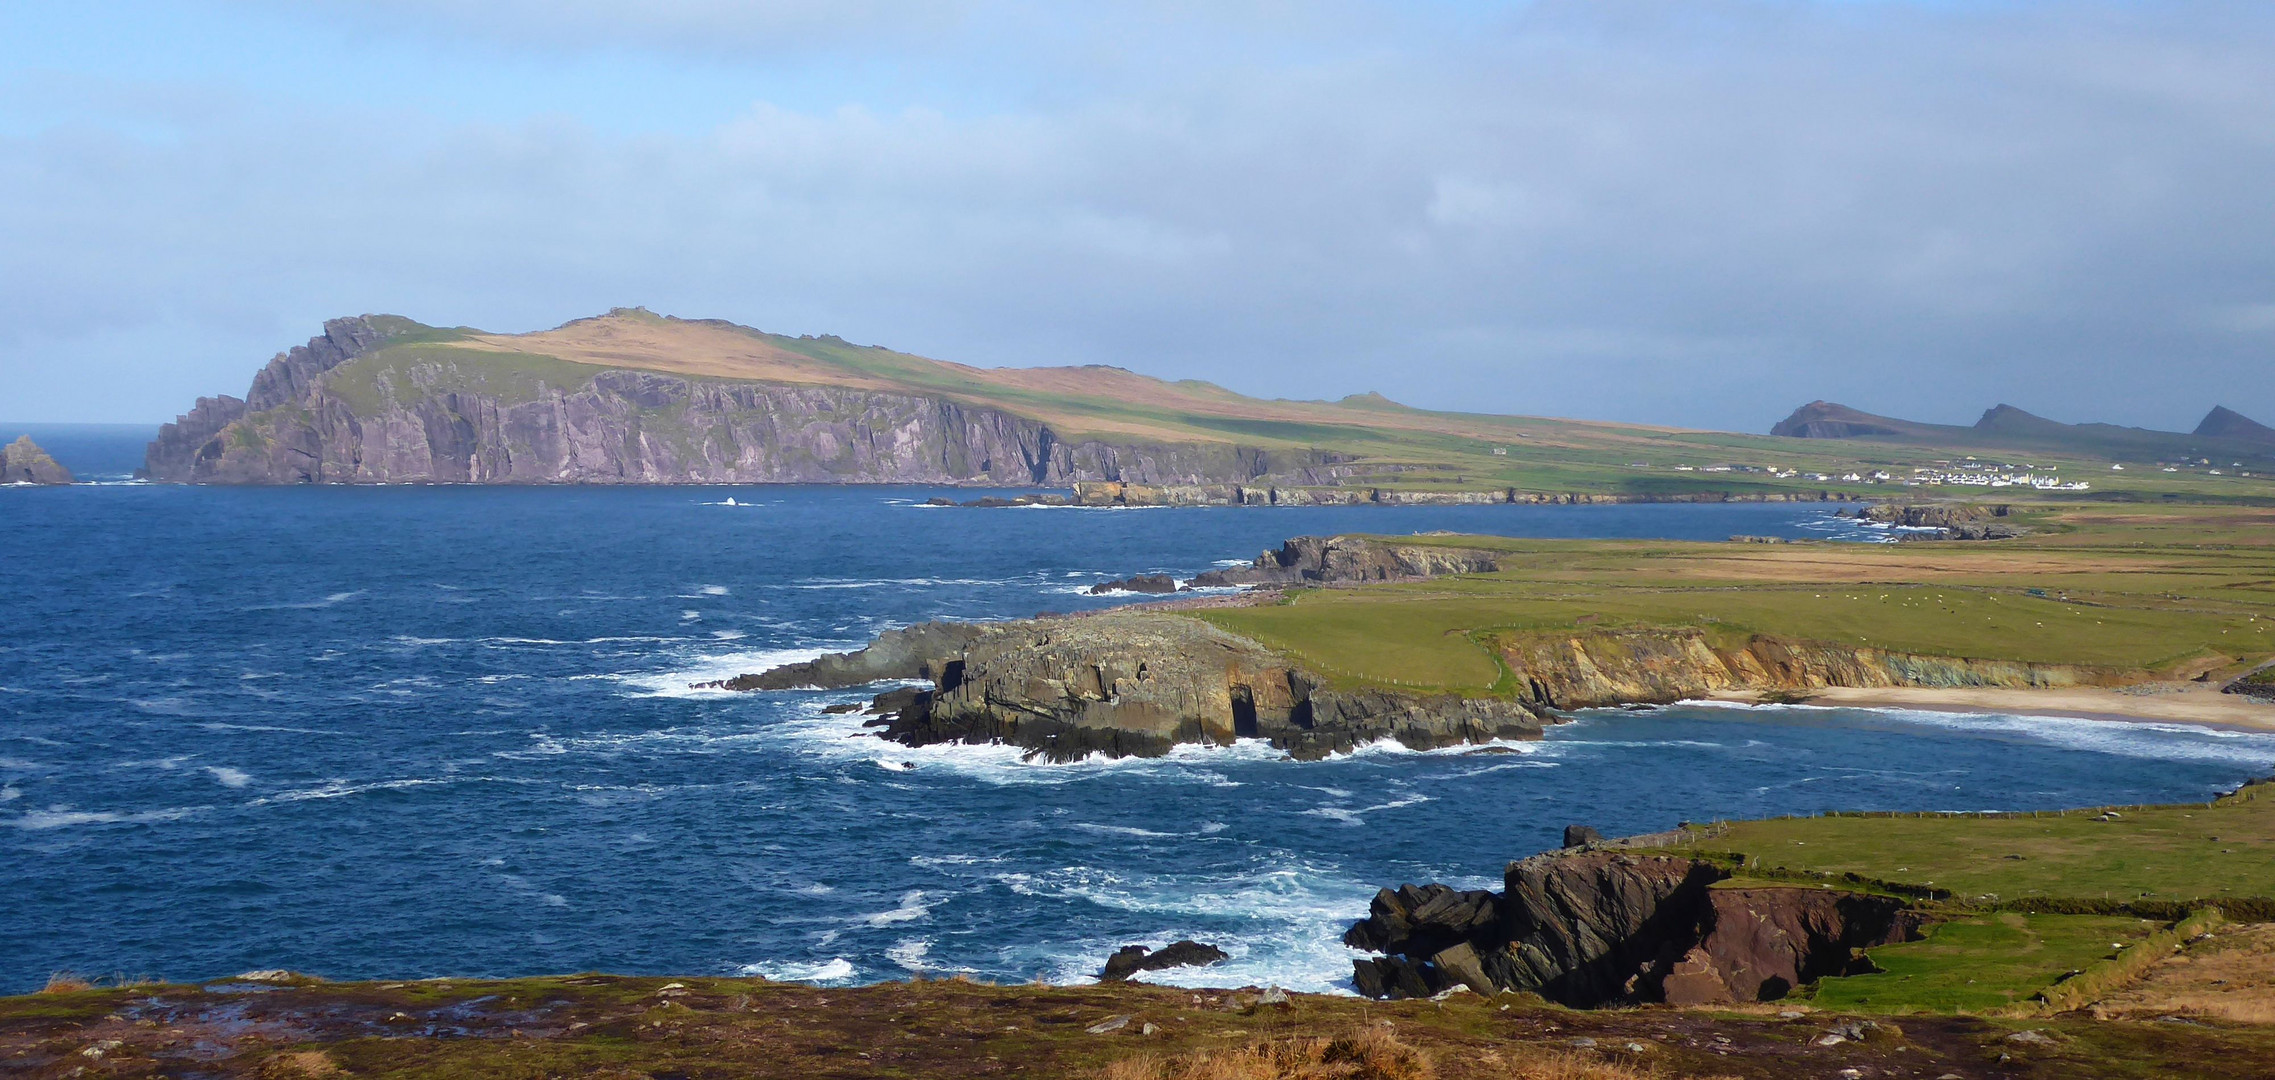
2165	703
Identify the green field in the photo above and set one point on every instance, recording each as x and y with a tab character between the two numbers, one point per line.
1980	964
2139	592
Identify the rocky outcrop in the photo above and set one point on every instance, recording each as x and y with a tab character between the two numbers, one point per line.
1951	521
2258	684
1131	959
1589	669
1316	560
1593	927
374	401
917	652
1126	684
23	462
1153	584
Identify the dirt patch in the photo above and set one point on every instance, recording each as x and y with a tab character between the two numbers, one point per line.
2229	976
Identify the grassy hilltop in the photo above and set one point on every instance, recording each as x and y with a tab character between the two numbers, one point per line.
1393	445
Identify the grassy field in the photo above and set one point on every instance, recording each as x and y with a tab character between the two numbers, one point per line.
2172	591
1980	964
1391	445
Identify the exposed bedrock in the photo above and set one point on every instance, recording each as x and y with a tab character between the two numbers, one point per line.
1334	559
1660	665
1131	684
1593	927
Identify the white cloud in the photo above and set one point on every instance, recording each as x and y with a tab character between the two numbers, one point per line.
1735	207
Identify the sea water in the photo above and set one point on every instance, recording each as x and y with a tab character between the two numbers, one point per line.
406	732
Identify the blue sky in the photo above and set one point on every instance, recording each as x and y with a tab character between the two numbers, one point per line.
1687	213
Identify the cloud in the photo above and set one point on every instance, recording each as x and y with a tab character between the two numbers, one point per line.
1695	213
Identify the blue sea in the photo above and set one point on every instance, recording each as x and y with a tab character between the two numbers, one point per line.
406	732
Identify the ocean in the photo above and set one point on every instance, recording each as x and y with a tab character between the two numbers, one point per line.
410	732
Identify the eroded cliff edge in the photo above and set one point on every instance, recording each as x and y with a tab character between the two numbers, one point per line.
373	401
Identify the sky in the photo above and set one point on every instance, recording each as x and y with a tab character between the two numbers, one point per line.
1699	214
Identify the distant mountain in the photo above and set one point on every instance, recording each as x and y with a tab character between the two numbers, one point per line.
2225	423
2004	427
1831	420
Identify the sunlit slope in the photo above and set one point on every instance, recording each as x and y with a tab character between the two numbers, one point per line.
1390	444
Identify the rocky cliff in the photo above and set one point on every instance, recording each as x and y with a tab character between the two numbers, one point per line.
23	462
1131	684
379	399
1596	927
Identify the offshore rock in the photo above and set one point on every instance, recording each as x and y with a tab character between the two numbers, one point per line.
1130	684
1140	583
1951	522
1337	559
23	462
1591	927
1132	959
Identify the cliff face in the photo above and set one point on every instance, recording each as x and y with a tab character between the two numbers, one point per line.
1587	670
23	462
450	418
1593	927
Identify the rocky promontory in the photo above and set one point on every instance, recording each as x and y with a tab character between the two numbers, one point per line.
1131	684
1600	925
1946	521
380	399
23	462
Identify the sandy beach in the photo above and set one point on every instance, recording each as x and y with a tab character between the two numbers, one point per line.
2169	703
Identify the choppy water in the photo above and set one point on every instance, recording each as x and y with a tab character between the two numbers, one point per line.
410	732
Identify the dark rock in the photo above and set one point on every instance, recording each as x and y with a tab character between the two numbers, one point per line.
23	462
835	710
1328	560
922	651
1131	959
1966	521
1142	583
1593	927
1581	836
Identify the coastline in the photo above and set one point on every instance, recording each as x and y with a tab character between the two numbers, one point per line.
2202	705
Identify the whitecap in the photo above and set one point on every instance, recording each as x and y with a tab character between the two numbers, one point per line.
910	953
1349	816
228	777
912	908
59	817
678	682
834	972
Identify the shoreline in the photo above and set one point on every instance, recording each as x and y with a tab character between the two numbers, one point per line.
2200	705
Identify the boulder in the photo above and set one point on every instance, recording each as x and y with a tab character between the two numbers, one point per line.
1131	959
1581	836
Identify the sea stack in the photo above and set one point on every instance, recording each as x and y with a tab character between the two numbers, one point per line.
23	462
